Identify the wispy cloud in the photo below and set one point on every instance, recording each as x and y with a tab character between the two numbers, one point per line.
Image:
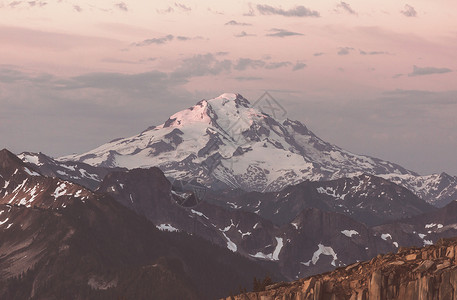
277	32
235	23
297	11
183	7
77	8
164	39
299	66
247	78
37	3
201	65
362	52
251	11
409	11
244	63
13	4
346	8
122	6
165	11
156	41
344	50
183	38
277	65
178	6
216	12
244	34
318	53
417	71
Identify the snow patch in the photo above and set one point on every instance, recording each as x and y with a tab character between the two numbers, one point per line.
30	172
78	193
167	227
349	233
230	245
60	190
322	250
385	236
199	214
274	256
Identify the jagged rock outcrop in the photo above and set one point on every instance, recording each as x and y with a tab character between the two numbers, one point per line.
427	273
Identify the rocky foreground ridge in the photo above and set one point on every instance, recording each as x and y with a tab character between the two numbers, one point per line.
427	273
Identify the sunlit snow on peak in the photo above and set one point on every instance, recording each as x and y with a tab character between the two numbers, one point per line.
227	96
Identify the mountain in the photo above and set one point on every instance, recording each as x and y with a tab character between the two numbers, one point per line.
436	189
22	185
411	273
421	230
59	240
366	198
312	241
77	172
227	142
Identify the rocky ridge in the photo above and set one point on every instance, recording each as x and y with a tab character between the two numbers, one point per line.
411	273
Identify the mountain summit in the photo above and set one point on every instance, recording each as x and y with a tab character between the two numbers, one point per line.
228	142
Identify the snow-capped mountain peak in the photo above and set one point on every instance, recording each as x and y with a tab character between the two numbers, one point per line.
226	141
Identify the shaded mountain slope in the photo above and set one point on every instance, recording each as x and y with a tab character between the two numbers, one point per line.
96	248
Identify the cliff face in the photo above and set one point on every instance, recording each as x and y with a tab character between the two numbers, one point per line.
427	273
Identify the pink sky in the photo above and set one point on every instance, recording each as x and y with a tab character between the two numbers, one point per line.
316	56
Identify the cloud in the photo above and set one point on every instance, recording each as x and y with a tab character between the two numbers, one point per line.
243	34
164	39
277	32
201	65
235	23
345	50
77	8
183	7
251	12
318	54
156	41
84	107
372	52
165	11
148	59
37	3
299	66
297	11
417	71
244	63
210	64
183	38
277	65
122	6
216	12
14	4
247	78
409	11
345	7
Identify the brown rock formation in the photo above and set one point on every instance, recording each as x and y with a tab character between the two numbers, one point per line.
428	273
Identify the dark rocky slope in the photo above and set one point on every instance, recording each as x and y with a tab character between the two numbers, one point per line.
412	273
54	245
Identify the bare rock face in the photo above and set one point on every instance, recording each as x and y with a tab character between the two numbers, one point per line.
427	273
